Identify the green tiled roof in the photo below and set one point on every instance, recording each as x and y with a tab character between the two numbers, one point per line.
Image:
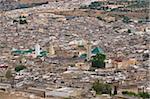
22	52
28	51
97	50
17	52
94	51
43	53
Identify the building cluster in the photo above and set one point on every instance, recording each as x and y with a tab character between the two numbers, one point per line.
56	50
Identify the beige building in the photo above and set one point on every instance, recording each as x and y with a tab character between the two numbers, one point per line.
124	64
65	92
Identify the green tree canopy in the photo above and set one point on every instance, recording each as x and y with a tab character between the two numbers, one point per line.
95	5
98	60
19	68
129	31
102	88
126	19
143	95
8	74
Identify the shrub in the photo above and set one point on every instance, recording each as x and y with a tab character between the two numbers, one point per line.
129	93
100	18
144	95
95	5
83	7
8	74
126	19
129	31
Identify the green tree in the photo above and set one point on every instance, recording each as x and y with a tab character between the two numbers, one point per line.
22	20
100	18
8	74
129	93
129	31
144	95
126	19
83	7
102	88
95	5
98	60
19	68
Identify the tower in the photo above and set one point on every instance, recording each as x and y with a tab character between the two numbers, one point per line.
88	51
51	50
89	45
37	49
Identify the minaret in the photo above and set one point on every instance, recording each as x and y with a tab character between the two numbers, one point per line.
51	50
89	45
88	51
37	49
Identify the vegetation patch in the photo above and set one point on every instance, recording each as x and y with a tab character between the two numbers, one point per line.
102	88
19	68
143	95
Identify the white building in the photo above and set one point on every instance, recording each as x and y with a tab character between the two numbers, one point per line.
147	29
64	92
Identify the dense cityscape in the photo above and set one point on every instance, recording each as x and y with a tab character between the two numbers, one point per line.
74	49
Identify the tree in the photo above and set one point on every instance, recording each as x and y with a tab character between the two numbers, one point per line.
144	95
147	18
100	18
98	60
95	5
129	93
129	31
83	7
15	21
22	20
102	88
19	68
8	74
126	19
145	56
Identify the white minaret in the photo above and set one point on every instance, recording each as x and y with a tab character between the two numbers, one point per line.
37	49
